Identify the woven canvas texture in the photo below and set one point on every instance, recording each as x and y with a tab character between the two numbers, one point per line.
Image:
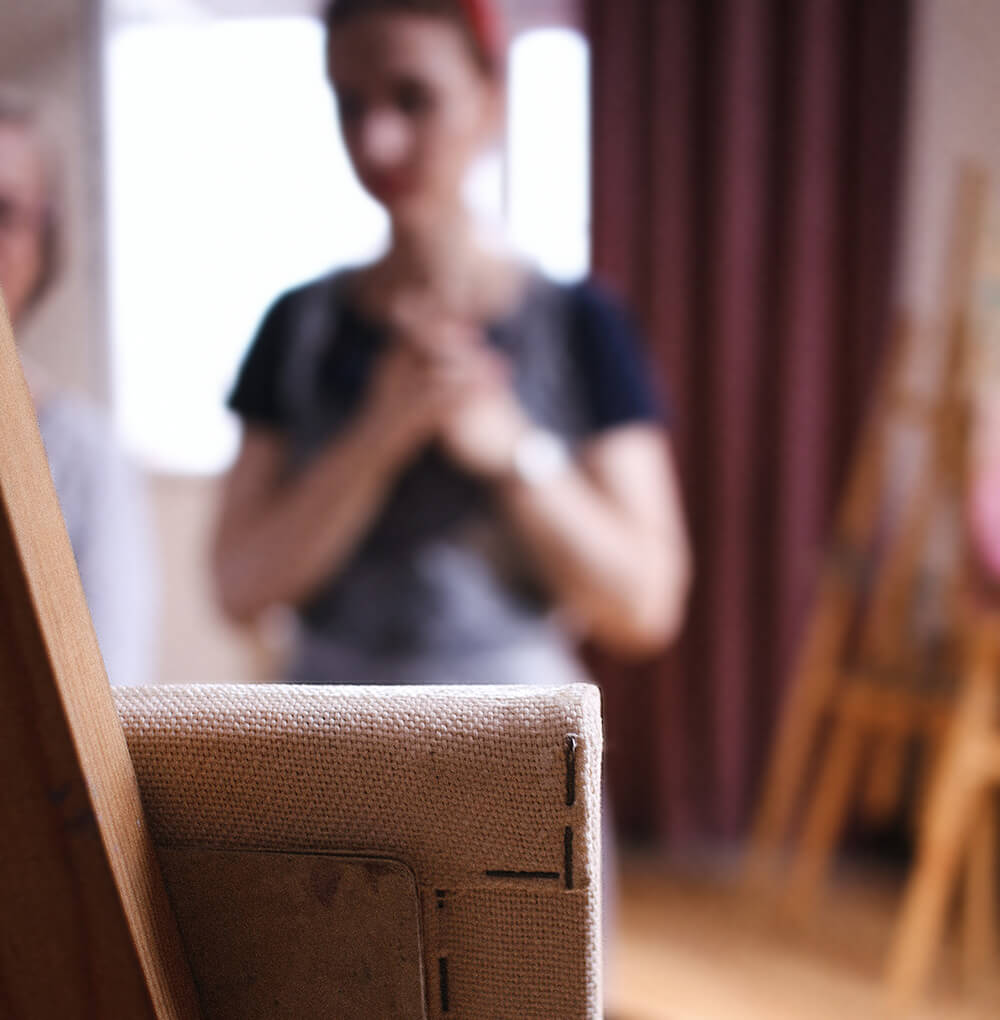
490	794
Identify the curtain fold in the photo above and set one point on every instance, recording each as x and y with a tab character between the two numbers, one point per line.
746	176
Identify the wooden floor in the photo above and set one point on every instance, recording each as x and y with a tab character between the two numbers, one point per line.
691	947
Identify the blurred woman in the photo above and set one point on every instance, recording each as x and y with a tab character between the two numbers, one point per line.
450	466
101	499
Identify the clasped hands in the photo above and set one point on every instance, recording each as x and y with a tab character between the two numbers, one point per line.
439	380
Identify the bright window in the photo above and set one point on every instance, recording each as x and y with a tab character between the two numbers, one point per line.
549	151
228	183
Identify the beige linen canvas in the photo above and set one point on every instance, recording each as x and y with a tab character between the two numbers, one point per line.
490	795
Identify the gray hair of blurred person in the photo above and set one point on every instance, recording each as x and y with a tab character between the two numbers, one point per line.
18	111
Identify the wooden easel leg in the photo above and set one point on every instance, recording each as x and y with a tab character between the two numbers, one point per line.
979	916
826	815
930	764
818	675
884	791
959	789
783	785
922	918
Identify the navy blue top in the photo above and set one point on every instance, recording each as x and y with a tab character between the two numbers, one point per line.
603	343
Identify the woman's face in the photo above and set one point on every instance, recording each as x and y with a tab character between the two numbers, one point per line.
414	109
22	212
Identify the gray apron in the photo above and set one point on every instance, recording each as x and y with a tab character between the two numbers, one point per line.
439	590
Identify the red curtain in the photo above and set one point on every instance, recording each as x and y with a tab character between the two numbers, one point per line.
746	181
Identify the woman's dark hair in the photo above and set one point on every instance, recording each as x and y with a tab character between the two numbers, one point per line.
18	111
476	19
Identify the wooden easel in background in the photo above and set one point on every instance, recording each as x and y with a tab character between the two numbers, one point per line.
959	824
866	682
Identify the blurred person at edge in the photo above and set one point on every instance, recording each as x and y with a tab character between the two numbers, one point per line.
103	503
450	466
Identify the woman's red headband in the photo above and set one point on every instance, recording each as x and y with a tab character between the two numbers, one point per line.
484	21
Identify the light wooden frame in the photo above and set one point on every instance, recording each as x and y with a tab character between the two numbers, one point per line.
86	928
